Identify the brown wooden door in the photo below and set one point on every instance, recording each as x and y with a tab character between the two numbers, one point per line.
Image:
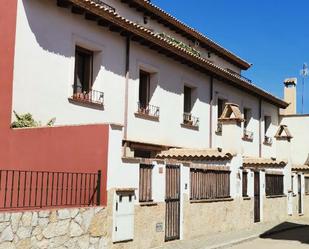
257	217
172	201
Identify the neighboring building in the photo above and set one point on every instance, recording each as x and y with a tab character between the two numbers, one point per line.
186	145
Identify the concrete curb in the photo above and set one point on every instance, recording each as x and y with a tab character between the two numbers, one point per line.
253	237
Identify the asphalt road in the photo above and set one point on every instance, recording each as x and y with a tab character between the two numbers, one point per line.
292	239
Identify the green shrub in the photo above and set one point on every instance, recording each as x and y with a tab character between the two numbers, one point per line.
26	120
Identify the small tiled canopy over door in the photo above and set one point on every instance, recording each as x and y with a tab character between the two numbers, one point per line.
124	216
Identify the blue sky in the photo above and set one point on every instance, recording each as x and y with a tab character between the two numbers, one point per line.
273	35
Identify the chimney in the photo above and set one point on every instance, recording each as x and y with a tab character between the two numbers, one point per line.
290	95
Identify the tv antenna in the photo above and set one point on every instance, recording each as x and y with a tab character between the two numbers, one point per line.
304	73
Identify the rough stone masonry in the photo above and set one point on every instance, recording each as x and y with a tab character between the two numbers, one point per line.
78	228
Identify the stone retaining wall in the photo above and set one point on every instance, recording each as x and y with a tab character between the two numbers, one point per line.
275	209
78	228
202	219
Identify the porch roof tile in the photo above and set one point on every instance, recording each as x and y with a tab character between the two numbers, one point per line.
196	154
263	162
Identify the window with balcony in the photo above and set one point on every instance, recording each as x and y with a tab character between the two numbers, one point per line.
188	119
247	135
83	78
144	108
220	107
267	123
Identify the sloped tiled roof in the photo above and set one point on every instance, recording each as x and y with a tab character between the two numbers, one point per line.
263	162
153	10
156	40
299	167
195	154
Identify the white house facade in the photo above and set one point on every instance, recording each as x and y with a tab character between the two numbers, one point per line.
194	148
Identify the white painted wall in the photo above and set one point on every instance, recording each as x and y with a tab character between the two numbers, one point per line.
43	79
299	128
44	65
138	17
248	148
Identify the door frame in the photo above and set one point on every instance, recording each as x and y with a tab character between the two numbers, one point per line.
170	202
300	194
257	196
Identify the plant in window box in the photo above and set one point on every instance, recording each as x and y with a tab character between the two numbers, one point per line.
144	109
188	119
248	135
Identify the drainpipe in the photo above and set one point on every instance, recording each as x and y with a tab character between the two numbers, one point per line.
210	111
260	127
126	97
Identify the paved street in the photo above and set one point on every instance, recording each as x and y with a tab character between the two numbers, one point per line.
292	239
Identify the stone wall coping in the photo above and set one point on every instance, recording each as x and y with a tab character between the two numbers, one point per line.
211	200
275	196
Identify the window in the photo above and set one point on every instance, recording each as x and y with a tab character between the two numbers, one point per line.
244	183
267	123
247	117
145	182
307	185
274	185
144	89
144	107
83	78
292	184
248	135
220	106
83	70
188	118
187	108
209	184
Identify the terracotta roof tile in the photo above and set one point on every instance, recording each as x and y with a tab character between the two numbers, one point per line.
263	162
137	29
300	167
192	32
195	154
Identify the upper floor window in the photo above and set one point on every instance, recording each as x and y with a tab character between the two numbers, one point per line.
221	105
145	96
267	123
83	78
220	108
188	118
83	70
144	88
248	135
187	108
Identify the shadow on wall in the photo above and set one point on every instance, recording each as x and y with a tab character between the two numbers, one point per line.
297	233
58	26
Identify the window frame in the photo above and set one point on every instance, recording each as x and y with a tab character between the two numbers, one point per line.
274	185
86	53
200	191
147	84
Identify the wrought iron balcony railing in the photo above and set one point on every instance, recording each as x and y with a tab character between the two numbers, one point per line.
219	128
92	96
268	140
248	135
149	110
190	120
